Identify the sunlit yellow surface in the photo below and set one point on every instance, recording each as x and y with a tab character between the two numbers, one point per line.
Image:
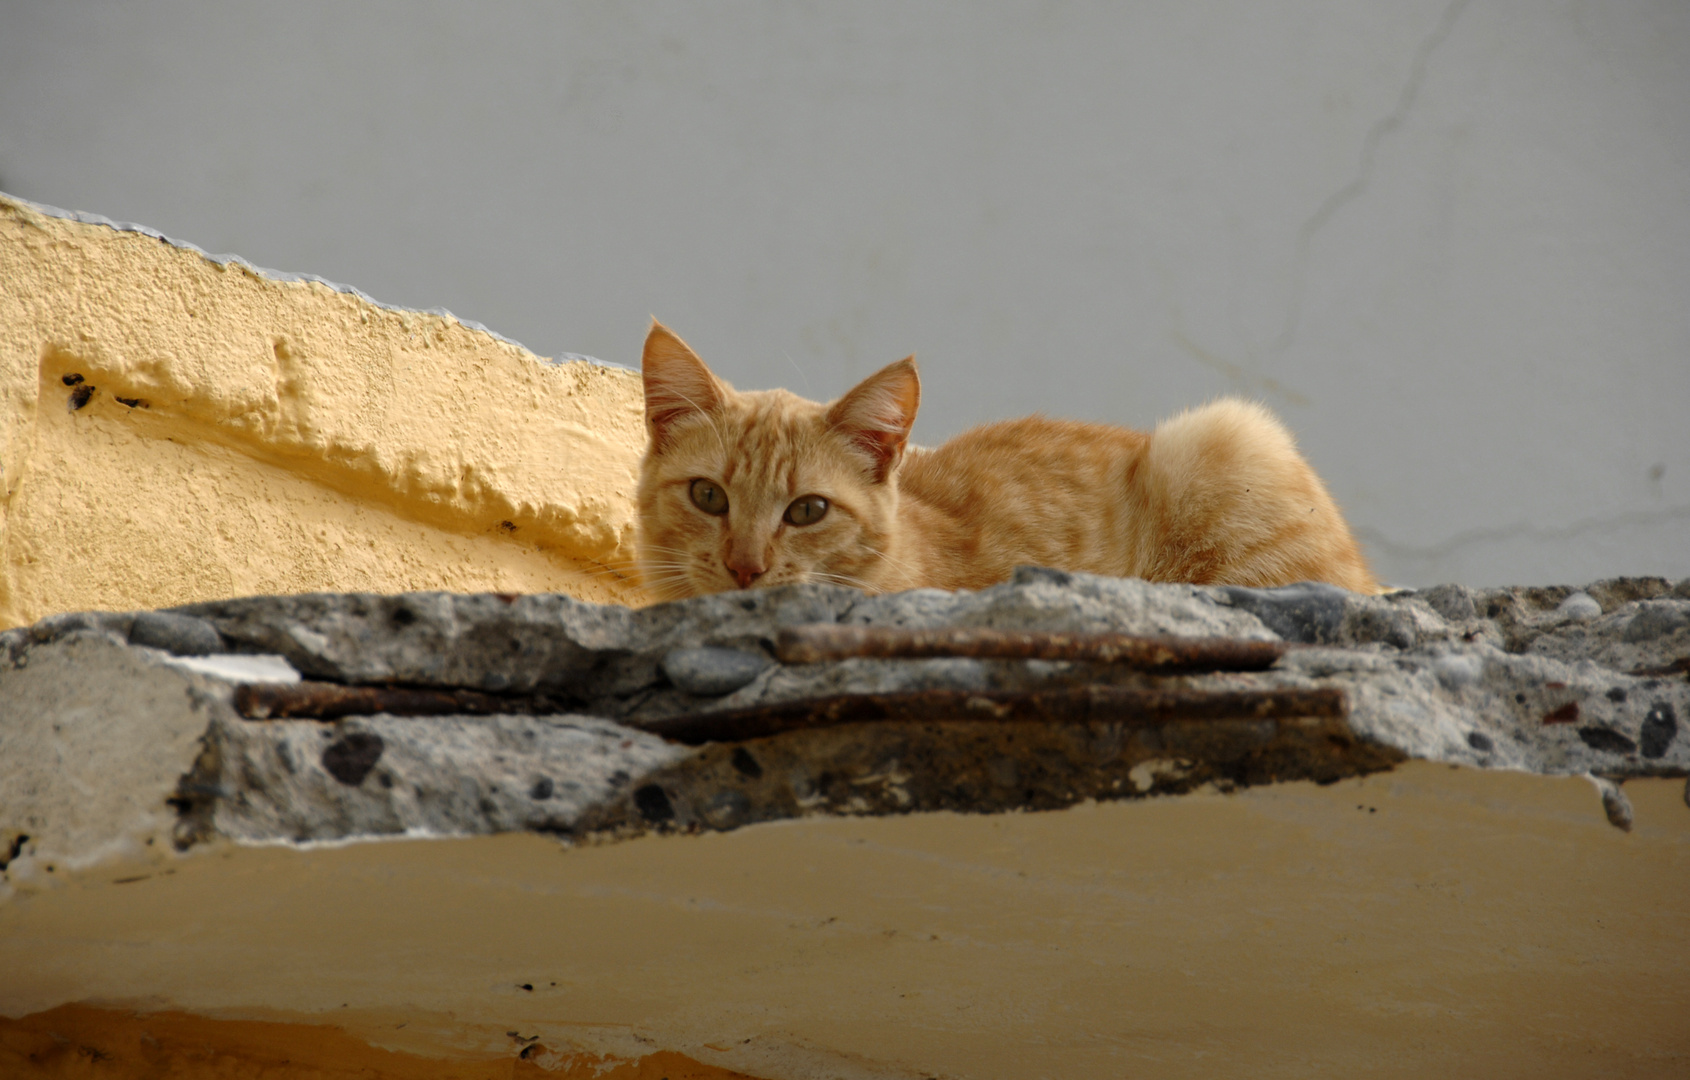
1429	921
283	437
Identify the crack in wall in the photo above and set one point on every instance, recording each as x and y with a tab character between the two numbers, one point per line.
1250	382
1358	184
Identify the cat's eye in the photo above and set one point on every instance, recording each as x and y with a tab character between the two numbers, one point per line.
806	510
708	497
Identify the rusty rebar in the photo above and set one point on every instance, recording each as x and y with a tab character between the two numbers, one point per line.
329	701
1681	666
1132	706
827	641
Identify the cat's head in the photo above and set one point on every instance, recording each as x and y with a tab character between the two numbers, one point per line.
763	488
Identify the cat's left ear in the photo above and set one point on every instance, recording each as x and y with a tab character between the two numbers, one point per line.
878	413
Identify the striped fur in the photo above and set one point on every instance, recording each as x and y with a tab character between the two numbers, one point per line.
1218	494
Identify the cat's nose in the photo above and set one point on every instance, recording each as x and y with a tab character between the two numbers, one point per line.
745	573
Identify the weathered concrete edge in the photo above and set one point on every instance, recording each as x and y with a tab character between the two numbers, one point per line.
224	778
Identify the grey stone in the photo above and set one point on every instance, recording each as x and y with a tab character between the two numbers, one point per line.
1310	612
1657	619
179	635
745	763
1055	600
1614	803
1454	603
350	759
1388	624
1659	729
712	672
1607	740
94	738
654	803
726	809
12	643
54	627
384	775
1579	607
1458	670
538	642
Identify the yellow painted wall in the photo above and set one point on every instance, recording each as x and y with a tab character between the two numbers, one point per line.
283	437
1425	922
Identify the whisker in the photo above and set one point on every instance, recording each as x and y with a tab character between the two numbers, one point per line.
840	579
666	550
909	573
721	439
805	378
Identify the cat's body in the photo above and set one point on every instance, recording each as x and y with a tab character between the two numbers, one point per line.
761	488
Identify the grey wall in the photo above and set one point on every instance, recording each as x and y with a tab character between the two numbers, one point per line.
1449	242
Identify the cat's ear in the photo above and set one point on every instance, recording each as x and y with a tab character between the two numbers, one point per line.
677	384
878	412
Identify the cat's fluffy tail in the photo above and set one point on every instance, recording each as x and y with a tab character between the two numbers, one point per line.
1238	504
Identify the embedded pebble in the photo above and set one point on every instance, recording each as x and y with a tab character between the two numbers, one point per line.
712	672
1606	739
1660	727
179	635
1457	670
349	759
1579	607
1615	804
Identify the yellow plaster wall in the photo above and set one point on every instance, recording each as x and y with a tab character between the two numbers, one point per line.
1425	922
284	437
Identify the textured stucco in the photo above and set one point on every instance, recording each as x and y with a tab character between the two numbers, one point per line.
179	427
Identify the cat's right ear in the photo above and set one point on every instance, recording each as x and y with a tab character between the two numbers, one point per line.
677	384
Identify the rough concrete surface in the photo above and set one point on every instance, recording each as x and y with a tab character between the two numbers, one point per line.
111	739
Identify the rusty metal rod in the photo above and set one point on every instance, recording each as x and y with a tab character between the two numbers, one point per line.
827	641
1068	705
1681	666
328	701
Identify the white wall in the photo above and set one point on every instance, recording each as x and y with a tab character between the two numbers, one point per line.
1449	242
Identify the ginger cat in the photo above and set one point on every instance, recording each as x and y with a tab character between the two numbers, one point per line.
761	488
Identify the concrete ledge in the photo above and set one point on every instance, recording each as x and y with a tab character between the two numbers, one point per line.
114	745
